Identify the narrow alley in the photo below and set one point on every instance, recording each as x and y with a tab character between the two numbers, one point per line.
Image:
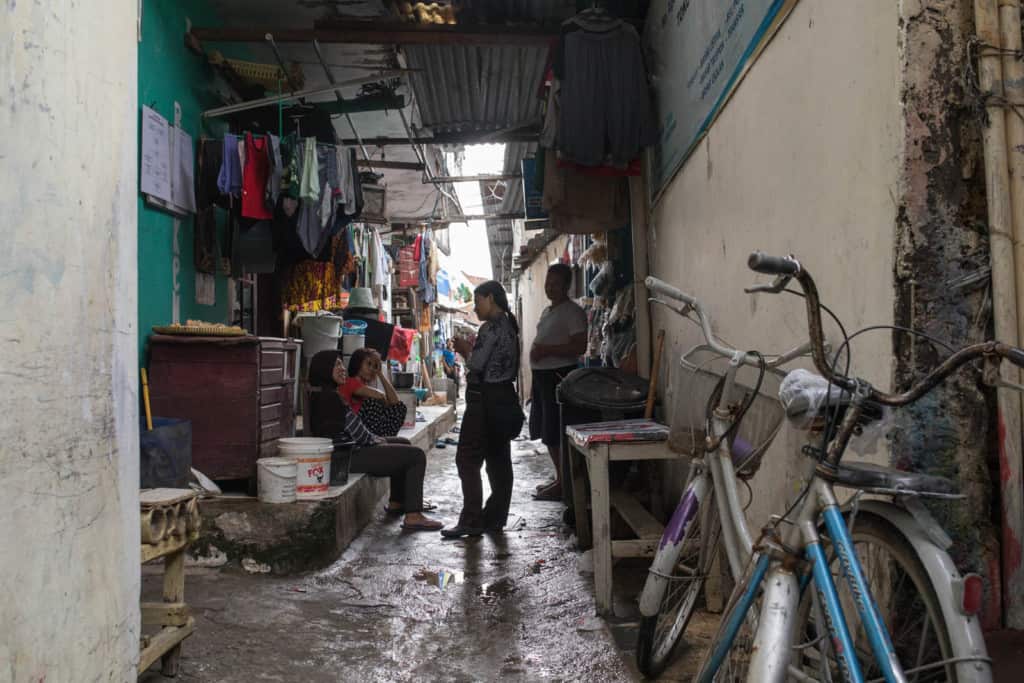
477	341
513	606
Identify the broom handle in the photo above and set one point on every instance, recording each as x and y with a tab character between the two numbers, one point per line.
652	389
145	399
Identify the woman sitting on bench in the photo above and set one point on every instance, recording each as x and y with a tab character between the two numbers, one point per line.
381	411
374	455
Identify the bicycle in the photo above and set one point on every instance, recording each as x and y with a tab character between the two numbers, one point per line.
794	632
709	514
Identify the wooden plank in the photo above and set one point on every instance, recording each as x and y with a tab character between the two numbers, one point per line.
578	470
156	497
388	33
168	546
633	513
167	639
643	450
392	165
165	613
601	511
638	548
174	592
714	590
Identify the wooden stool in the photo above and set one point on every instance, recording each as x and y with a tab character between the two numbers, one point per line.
170	522
593	459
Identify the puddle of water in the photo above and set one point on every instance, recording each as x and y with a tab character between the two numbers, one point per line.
442	578
492	593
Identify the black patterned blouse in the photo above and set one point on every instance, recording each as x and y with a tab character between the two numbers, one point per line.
495	356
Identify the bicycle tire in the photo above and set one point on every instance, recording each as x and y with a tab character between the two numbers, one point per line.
933	645
659	635
736	662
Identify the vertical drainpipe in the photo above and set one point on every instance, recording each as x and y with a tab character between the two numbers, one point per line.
1004	289
1010	469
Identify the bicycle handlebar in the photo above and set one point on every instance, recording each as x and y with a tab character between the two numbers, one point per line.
773	265
789	267
663	288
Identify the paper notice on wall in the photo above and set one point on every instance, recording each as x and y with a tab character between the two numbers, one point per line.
155	174
183	191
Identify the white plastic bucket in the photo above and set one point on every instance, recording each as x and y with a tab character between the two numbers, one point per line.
350	343
409	399
276	479
320	333
312	464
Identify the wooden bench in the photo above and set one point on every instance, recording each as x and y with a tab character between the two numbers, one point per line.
170	522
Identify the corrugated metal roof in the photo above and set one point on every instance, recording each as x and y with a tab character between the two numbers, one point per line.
471	88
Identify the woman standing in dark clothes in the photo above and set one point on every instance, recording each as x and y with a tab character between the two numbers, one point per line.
376	456
493	416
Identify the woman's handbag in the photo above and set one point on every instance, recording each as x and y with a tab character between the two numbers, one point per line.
504	414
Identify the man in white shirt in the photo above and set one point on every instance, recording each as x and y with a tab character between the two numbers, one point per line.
561	339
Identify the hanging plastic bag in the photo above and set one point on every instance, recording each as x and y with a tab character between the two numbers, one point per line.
401	344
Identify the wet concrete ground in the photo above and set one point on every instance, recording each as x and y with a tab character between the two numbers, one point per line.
513	607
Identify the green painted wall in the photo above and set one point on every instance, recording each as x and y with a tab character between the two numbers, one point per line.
168	72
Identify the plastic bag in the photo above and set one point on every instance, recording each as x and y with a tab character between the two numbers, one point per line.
803	395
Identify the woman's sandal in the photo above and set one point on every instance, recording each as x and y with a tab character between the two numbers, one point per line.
430	525
427	507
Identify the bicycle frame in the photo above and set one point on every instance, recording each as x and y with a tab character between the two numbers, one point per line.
783	590
714	471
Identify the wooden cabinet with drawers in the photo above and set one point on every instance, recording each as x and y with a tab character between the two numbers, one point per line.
238	392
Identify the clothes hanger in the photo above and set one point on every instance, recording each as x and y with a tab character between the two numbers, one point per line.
595	18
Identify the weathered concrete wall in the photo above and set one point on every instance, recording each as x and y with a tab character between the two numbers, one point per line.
69	529
940	238
530	290
802	160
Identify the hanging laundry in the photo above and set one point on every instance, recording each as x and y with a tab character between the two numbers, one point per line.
291	152
255	250
204	244
579	203
333	172
605	111
255	173
352	187
211	155
276	171
314	285
309	186
229	180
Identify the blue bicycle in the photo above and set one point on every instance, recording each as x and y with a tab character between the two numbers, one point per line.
899	611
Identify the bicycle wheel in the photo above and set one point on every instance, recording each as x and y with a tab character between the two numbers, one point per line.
906	600
733	665
659	635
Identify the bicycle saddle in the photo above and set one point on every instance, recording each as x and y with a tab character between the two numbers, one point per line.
869	476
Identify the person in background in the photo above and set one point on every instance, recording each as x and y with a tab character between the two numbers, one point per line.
377	456
561	339
381	411
451	368
490	421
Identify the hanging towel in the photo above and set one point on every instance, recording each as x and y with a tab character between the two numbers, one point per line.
229	180
309	185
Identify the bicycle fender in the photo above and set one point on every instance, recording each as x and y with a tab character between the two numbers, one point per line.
671	545
966	640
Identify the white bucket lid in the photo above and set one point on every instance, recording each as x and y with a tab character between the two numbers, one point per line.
305	441
276	462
